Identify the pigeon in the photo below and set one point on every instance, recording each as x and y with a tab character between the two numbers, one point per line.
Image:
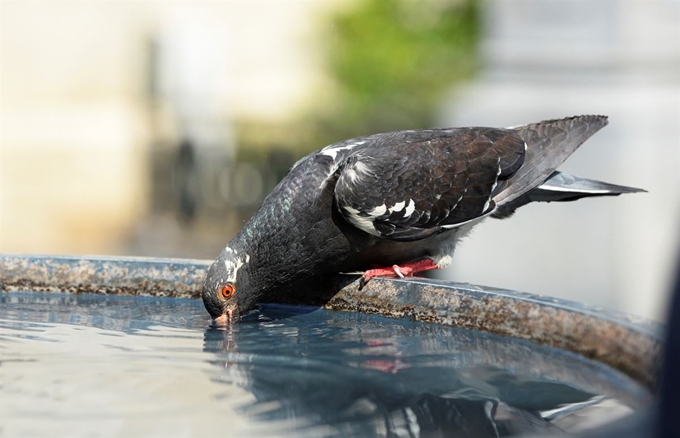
392	204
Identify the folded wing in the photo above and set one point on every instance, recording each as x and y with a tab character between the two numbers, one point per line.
412	184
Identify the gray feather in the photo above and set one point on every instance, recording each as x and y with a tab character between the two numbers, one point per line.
549	144
563	187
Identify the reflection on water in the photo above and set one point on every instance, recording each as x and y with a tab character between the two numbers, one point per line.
118	366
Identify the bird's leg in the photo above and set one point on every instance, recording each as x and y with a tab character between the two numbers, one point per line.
405	270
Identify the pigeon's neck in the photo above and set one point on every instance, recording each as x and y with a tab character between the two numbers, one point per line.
270	267
292	237
287	277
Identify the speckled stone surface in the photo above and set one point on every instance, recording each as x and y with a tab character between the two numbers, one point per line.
631	345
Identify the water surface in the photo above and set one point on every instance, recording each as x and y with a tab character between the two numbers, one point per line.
103	366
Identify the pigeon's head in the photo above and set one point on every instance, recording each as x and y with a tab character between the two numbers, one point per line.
226	290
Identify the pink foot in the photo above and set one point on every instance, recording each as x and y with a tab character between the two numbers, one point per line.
405	270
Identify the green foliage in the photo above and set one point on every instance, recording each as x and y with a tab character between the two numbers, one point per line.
394	59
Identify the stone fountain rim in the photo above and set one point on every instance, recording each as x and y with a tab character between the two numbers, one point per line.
627	343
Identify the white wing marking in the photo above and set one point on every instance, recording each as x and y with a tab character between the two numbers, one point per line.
332	151
410	208
361	222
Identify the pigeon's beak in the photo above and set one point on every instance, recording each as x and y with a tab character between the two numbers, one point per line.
227	316
222	319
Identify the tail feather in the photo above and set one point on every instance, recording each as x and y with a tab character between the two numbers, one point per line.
563	187
548	145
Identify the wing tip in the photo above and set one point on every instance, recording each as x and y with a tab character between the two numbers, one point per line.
594	119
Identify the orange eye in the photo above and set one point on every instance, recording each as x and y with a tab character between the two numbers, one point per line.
225	292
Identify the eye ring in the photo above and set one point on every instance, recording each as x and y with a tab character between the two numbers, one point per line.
225	292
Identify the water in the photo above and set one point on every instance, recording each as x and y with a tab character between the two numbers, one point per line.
98	366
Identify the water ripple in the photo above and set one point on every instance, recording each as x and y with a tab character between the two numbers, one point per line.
103	366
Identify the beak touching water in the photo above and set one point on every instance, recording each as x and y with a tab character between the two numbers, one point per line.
229	315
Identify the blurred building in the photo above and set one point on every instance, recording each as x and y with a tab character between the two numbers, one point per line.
98	97
551	59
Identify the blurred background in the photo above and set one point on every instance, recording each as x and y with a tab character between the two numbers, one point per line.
156	128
